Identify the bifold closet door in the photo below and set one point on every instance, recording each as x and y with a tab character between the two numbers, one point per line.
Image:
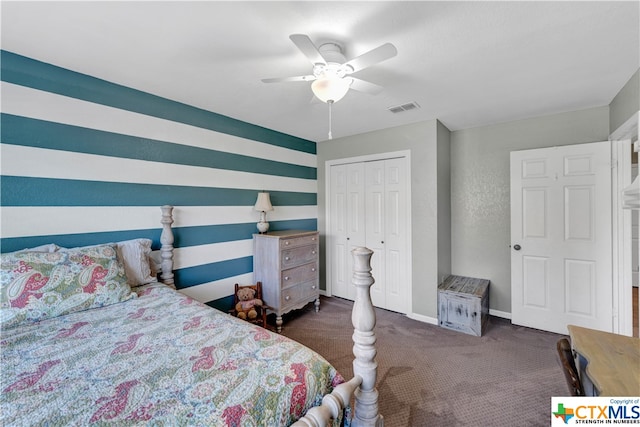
347	224
386	231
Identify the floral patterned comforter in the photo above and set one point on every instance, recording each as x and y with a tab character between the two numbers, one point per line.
161	359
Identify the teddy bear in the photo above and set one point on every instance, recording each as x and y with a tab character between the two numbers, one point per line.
247	302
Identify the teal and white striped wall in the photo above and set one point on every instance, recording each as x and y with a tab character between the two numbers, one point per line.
85	161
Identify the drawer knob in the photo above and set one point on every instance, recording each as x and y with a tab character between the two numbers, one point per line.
286	243
313	287
286	277
313	238
287	298
286	258
313	269
313	252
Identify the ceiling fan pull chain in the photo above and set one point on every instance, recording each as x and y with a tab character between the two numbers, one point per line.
330	103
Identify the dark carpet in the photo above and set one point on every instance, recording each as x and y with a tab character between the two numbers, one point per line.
431	376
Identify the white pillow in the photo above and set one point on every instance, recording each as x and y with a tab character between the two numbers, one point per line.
135	256
155	262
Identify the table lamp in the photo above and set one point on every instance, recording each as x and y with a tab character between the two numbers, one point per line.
263	205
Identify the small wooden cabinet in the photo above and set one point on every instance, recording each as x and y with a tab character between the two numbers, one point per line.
463	304
287	264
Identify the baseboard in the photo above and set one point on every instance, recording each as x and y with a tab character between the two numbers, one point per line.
499	313
434	321
422	318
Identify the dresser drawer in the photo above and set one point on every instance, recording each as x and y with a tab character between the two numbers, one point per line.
291	295
302	291
292	242
298	255
300	274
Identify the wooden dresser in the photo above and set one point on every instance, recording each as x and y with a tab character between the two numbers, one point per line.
287	264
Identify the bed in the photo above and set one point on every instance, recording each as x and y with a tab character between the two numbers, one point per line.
91	337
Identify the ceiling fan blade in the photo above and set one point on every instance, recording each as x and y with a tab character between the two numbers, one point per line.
290	79
374	56
364	86
307	47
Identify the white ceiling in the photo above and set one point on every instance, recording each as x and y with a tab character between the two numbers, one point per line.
466	63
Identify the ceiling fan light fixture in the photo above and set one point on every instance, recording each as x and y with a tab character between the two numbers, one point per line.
330	88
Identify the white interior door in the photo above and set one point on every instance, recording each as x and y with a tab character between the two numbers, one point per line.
347	224
561	256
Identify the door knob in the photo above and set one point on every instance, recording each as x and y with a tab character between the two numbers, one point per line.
517	247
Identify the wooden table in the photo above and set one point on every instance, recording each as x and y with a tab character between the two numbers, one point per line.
612	361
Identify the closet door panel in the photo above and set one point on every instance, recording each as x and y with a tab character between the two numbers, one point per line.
356	209
337	238
375	225
347	224
395	237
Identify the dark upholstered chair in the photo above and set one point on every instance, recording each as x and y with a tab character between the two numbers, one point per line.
261	319
569	367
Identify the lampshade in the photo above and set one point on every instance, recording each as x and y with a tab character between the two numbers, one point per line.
330	88
263	203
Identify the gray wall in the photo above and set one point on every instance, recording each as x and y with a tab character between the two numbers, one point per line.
626	102
444	202
428	142
480	201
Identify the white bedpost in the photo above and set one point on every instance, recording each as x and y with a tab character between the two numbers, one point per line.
363	382
166	251
364	339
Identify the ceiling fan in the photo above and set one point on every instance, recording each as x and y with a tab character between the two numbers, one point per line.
332	73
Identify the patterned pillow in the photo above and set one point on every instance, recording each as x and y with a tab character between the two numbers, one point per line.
51	247
40	285
135	255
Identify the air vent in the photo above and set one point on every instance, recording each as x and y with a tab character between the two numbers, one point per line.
404	107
